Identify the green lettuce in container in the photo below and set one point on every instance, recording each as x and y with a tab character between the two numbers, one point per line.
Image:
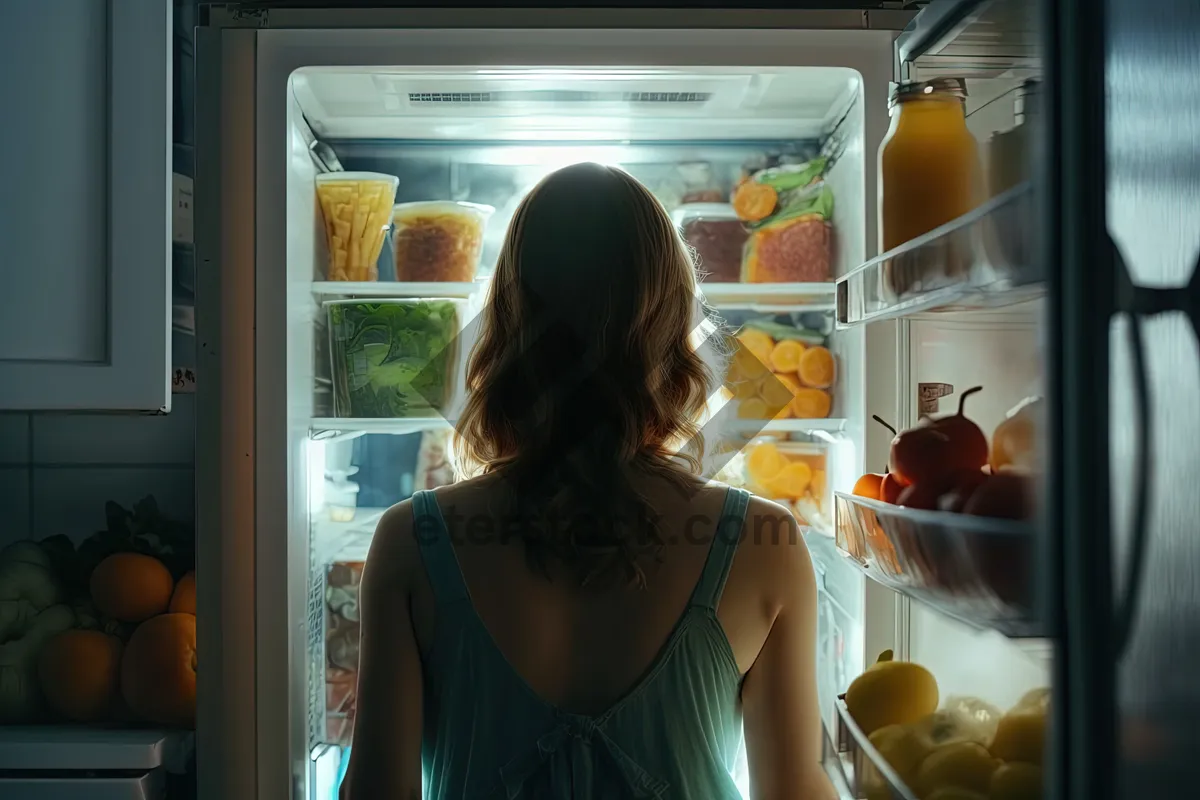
393	358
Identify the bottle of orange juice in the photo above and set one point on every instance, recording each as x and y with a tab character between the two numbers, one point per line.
929	167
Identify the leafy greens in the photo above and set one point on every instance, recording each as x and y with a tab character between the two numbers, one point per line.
393	358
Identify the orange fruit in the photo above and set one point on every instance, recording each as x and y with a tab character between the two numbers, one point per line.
790	381
183	601
816	368
811	404
131	587
79	672
868	485
785	356
158	672
775	393
759	344
753	201
791	481
764	462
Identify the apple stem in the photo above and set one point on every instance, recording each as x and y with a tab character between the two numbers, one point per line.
963	398
879	419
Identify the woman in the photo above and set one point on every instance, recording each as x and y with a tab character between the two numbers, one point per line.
586	618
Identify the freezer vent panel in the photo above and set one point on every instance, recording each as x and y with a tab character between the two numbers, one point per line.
556	96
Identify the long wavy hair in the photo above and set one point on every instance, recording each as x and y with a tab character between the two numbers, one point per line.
594	362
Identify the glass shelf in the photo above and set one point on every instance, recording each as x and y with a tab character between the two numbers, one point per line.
330	289
341	427
981	260
771	296
346	427
978	570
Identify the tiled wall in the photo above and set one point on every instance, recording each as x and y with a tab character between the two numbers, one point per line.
57	470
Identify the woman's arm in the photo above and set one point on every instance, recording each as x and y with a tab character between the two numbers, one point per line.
781	712
385	755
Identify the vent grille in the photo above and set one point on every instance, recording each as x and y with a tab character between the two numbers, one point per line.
551	96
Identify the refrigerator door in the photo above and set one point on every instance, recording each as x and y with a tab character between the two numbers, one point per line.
1152	92
256	332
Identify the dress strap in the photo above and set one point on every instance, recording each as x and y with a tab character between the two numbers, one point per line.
437	552
726	535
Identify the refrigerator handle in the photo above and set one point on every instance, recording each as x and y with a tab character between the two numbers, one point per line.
1137	302
1125	607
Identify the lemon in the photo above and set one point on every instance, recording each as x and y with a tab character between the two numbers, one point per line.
965	765
785	356
891	693
954	793
1016	781
901	748
1021	735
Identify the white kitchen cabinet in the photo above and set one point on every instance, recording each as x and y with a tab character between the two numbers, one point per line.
85	221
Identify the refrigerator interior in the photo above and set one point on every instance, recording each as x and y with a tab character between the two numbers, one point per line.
487	136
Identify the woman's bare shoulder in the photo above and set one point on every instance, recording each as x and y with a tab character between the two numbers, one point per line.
772	539
394	547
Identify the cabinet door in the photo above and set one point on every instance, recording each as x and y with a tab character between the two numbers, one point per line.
85	221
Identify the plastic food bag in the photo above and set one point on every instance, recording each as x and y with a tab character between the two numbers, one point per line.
788	210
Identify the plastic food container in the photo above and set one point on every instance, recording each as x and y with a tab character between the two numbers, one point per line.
393	358
794	251
357	211
792	473
438	240
718	237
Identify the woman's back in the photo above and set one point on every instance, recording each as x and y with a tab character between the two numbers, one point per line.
542	689
573	622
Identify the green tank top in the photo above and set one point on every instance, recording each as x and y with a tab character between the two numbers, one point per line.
487	734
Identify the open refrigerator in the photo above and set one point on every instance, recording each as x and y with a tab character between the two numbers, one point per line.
436	123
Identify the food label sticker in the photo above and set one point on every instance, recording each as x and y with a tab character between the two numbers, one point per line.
928	395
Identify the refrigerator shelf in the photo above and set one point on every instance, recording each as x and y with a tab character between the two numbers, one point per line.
977	570
348	427
777	297
827	425
984	259
332	289
862	766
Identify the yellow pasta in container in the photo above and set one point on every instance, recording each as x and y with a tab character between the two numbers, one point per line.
356	208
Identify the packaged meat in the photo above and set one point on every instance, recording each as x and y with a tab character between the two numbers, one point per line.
356	208
788	211
438	241
342	580
393	357
718	237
